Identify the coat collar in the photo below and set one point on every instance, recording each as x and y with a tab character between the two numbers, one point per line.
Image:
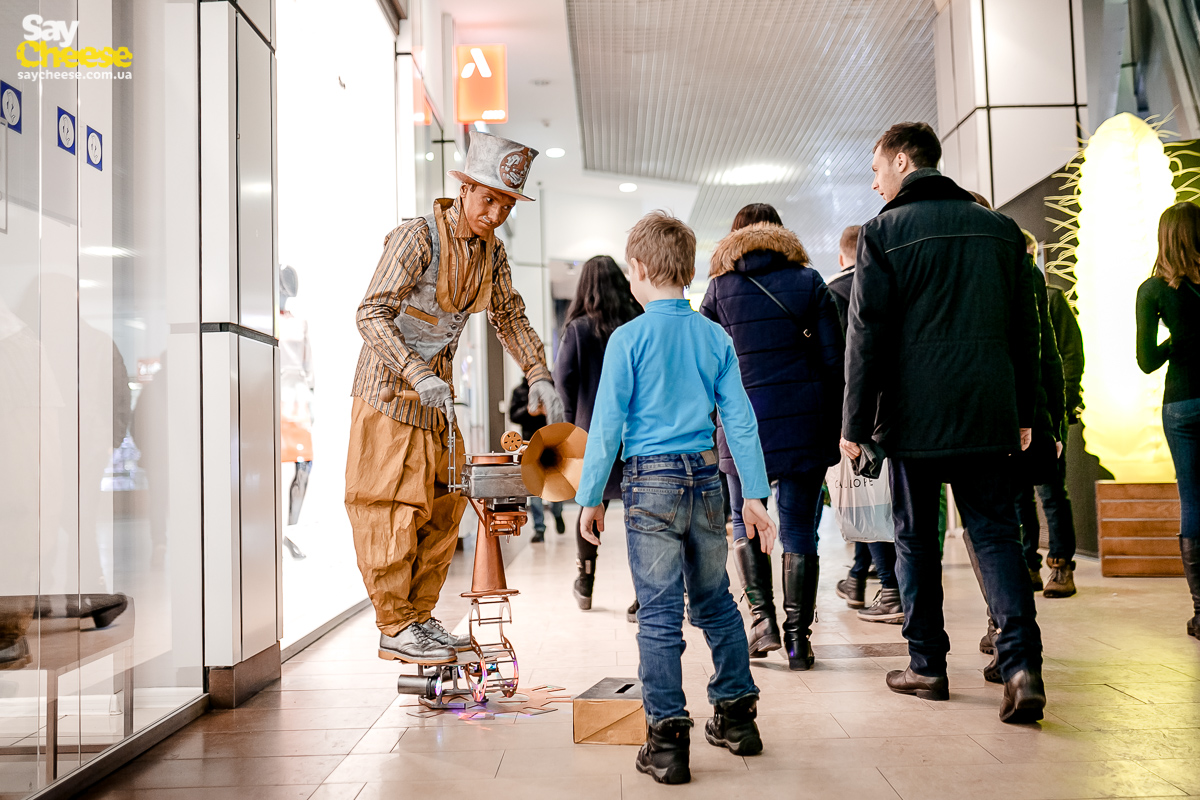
931	185
759	236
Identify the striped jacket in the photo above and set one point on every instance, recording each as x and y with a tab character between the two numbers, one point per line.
386	359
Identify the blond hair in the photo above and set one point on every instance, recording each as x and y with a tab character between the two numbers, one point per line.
665	247
848	243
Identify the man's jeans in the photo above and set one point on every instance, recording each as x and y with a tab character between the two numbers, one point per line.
1060	521
1181	424
985	493
675	524
537	511
884	556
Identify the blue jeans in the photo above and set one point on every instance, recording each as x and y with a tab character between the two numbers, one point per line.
537	511
985	492
1060	520
799	510
1181	424
884	556
675	523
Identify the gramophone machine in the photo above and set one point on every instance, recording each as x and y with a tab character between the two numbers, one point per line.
497	485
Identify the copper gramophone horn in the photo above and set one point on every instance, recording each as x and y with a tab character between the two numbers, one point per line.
552	464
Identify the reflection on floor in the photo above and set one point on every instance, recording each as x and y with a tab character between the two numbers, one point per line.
1123	719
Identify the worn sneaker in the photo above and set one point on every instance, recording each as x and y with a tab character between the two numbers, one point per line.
439	634
886	608
1062	578
414	646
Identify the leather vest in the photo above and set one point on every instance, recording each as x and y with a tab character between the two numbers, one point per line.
426	327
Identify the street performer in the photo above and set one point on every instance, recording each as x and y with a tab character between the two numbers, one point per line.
435	272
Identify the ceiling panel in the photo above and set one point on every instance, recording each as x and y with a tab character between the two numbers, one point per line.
774	101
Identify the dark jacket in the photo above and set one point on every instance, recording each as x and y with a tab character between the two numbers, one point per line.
1179	310
943	334
794	380
840	286
1069	339
577	378
1039	463
518	411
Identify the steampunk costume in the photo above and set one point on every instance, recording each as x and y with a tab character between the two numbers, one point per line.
434	273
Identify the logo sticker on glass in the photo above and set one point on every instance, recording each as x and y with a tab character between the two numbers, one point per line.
66	131
95	148
10	106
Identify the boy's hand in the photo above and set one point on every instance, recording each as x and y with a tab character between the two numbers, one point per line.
754	514
589	516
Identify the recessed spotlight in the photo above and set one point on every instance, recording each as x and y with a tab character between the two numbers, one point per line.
429	156
555	152
628	187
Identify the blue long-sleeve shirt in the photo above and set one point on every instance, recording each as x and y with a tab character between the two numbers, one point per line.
663	373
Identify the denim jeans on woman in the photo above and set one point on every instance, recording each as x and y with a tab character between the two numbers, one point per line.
1181	424
675	531
799	499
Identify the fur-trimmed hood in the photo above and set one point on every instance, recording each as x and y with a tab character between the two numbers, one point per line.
759	236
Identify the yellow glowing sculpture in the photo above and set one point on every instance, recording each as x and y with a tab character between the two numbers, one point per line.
1124	185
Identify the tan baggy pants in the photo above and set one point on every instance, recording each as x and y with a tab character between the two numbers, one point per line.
405	521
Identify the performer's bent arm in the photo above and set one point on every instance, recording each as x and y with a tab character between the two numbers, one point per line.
406	253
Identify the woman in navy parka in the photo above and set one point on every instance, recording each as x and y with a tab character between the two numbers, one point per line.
788	339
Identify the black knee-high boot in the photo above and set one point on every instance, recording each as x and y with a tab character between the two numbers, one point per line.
1190	550
754	568
800	573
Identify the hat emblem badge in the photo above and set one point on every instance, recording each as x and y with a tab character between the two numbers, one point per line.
514	168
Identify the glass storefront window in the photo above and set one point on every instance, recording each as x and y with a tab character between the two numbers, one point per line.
100	585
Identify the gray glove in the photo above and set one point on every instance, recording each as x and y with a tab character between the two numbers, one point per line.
543	396
435	393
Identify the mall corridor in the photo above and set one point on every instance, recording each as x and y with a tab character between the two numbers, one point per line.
864	335
1123	718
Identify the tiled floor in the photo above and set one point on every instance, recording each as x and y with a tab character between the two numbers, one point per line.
1123	719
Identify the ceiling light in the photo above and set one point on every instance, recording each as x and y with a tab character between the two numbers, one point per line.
555	152
429	156
628	187
753	174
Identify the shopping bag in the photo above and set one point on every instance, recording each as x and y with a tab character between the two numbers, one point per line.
862	506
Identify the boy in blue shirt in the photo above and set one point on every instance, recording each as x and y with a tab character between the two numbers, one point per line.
663	373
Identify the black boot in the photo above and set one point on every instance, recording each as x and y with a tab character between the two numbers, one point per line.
732	726
853	590
1190	550
800	574
585	582
1024	698
664	756
754	568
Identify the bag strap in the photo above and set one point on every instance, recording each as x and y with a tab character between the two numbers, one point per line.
799	322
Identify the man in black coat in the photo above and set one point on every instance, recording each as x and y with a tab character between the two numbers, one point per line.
941	371
853	588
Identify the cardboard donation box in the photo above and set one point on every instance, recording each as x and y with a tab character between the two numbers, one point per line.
610	713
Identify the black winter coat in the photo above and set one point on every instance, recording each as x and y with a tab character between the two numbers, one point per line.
518	411
577	378
1039	464
943	337
794	381
840	286
1069	339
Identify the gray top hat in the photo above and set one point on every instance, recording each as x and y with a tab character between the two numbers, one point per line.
497	163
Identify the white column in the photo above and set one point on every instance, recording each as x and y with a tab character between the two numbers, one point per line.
1011	91
242	525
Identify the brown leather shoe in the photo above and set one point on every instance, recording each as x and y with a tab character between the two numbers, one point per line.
1024	698
1062	578
908	682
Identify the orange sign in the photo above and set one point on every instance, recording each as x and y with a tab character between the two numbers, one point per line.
482	83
